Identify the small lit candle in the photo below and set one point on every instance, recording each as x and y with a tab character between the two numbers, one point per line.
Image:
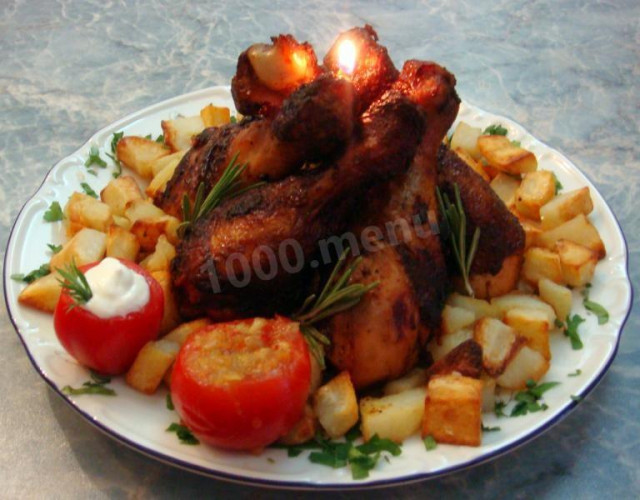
347	57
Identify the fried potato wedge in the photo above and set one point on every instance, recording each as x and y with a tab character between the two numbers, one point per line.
440	346
415	378
181	332
42	294
87	246
557	296
565	207
149	231
578	230
179	133
465	138
497	341
505	186
541	263
138	153
151	364
578	263
122	244
526	364
120	192
84	211
395	417
505	156
161	163
171	317
160	259
215	116
453	410
536	189
532	325
456	318
336	405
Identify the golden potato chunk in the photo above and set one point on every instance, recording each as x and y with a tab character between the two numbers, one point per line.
151	364
557	296
475	165
161	178
465	138
505	156
456	318
179	133
394	417
161	163
526	364
87	246
541	263
565	207
453	410
138	153
480	308
533	326
215	116
442	345
171	317
506	186
120	192
84	211
148	231
160	259
532	229
497	341
579	230
42	294
489	285
523	301
181	332
578	262
536	189
336	405
121	244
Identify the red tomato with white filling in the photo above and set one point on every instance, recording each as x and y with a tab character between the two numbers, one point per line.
242	385
109	345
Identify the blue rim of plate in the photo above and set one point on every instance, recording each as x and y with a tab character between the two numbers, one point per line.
293	485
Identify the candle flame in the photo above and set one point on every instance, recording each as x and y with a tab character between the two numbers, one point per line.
347	56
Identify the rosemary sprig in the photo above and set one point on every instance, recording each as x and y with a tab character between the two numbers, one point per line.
228	186
336	296
75	281
456	221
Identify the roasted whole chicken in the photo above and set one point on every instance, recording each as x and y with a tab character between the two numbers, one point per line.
342	150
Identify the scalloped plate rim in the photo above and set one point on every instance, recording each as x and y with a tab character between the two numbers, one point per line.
538	430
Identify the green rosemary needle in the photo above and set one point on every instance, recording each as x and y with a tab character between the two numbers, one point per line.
455	220
76	283
228	186
336	296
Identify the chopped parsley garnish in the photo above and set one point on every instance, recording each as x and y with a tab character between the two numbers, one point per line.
114	144
575	398
233	119
558	323
575	374
495	129
601	313
571	331
429	443
169	403
529	401
43	270
498	409
97	385
160	139
360	459
559	185
88	190
490	429
92	172
94	158
184	434
516	143
54	248
53	213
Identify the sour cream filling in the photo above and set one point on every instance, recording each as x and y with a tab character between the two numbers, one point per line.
116	289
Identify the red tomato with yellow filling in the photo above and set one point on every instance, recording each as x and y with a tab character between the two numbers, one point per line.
108	345
242	385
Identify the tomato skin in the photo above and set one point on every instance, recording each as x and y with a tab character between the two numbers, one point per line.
109	346
253	411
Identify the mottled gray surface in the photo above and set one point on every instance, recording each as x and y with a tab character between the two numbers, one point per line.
568	71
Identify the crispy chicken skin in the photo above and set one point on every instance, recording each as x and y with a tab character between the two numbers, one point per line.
502	238
314	124
370	340
373	72
267	74
303	208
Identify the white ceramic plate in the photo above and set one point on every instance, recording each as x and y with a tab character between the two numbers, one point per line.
140	421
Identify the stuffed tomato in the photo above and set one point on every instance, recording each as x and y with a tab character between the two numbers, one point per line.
242	385
107	312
